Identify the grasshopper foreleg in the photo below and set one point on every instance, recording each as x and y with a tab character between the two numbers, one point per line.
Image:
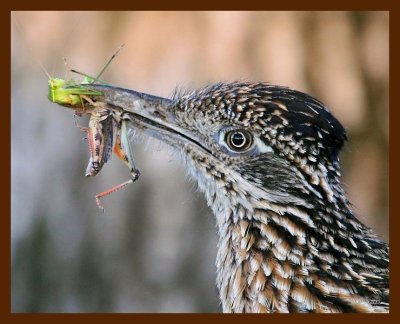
83	129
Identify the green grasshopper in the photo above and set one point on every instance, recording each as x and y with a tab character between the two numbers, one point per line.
72	94
107	131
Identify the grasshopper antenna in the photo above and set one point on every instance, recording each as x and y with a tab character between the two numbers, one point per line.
68	68
18	29
76	22
43	68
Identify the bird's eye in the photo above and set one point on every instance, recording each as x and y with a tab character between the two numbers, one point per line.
238	140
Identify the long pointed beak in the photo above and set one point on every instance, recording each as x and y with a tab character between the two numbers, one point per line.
148	106
153	114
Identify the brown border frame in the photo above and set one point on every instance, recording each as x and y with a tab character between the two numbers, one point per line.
5	220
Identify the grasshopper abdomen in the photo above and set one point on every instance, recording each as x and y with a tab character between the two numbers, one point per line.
107	133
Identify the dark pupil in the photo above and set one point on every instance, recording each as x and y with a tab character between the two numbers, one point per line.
238	139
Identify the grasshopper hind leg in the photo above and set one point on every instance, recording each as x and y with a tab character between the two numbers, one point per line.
123	151
114	189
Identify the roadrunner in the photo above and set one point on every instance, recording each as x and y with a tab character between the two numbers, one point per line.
267	159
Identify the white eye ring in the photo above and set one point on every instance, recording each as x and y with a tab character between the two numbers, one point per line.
238	140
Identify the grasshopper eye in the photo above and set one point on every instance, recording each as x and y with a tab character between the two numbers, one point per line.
238	140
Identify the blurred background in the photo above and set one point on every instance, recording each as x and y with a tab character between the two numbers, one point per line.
154	248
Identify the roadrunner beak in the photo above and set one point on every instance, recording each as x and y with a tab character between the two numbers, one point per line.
152	114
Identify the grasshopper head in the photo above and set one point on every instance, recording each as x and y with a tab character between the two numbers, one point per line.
55	89
59	94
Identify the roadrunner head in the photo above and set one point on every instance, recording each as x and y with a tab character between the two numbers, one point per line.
267	159
281	141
